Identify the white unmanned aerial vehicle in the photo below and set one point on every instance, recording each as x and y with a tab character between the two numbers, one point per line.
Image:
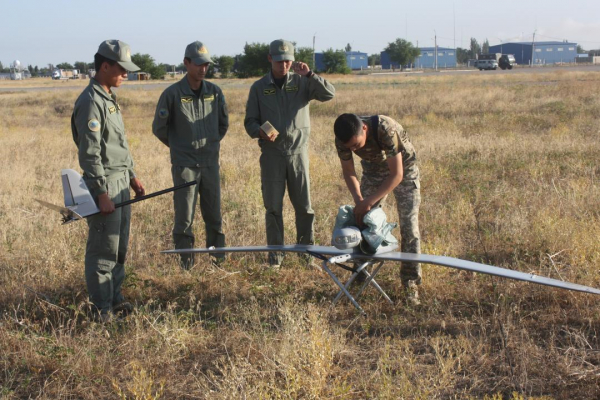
346	249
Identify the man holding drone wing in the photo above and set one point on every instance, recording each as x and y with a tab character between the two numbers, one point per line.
104	157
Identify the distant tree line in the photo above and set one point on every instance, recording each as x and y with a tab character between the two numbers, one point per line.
253	61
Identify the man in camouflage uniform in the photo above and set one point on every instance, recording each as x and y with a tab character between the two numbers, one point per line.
191	119
282	98
104	157
389	163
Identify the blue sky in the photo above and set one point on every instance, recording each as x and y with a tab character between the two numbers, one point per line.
40	32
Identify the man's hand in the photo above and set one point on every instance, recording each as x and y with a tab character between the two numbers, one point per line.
137	187
105	204
361	208
301	68
266	137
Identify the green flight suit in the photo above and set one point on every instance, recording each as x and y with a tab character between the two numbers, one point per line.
285	161
104	157
192	127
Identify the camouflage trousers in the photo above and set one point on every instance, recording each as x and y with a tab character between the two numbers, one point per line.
408	200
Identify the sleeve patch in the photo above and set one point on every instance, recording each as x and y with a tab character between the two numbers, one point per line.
94	125
163	113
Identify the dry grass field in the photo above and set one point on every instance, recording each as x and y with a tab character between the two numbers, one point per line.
510	177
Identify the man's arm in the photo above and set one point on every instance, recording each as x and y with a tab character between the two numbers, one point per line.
351	179
319	89
88	124
394	178
252	120
137	187
162	118
223	116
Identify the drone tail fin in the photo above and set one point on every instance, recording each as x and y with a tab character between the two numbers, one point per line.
78	198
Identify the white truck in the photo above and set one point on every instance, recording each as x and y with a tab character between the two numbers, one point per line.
65	74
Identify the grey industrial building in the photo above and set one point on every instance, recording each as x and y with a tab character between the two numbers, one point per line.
544	52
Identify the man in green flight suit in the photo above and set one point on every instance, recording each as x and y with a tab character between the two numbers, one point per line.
104	157
282	98
191	119
389	163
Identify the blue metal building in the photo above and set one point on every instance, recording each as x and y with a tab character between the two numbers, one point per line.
446	58
545	52
355	60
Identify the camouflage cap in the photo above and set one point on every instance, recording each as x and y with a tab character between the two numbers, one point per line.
281	50
198	53
118	51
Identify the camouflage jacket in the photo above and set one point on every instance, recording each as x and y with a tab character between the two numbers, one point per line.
389	140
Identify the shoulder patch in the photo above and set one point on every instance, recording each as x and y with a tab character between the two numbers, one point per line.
112	109
94	125
209	97
187	99
268	92
163	113
291	88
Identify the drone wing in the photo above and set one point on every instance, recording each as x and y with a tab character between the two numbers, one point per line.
298	248
396	256
481	268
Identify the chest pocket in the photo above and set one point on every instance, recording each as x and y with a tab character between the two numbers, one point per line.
210	102
186	108
269	99
114	119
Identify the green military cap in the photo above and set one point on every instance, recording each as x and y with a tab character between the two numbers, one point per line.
198	53
118	51
281	50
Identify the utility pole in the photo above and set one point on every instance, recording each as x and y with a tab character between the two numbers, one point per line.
314	65
533	49
419	56
454	18
435	49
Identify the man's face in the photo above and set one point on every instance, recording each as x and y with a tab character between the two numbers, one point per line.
114	74
280	68
196	72
357	141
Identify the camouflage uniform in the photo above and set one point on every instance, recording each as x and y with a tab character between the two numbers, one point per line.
389	140
285	161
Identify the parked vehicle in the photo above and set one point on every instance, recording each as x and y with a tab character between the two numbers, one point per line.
65	74
507	61
486	64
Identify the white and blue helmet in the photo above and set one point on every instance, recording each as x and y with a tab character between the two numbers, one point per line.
346	238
